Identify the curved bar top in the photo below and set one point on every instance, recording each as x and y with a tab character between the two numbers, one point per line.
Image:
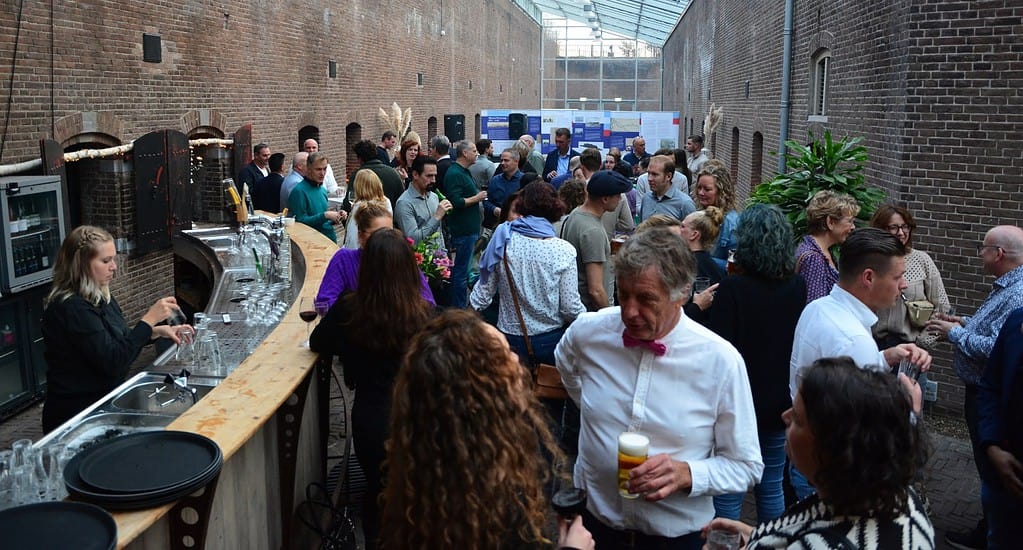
243	402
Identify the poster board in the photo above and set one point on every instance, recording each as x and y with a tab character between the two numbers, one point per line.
602	129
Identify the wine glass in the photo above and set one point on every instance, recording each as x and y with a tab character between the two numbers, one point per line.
307	311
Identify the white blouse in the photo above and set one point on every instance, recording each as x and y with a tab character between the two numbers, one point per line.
546	278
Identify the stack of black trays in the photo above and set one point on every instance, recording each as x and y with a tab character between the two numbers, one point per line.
58	525
143	470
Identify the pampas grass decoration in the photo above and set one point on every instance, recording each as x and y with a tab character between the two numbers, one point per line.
712	120
398	122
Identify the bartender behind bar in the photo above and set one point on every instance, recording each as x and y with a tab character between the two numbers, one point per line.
89	345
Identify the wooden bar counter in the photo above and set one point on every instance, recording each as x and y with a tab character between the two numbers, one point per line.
244	416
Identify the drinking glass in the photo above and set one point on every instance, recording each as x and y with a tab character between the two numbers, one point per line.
322	306
208	358
719	539
701	284
6	480
307	311
633	448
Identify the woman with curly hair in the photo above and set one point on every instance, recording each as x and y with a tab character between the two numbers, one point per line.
830	219
714	187
465	460
757	312
854	433
370	331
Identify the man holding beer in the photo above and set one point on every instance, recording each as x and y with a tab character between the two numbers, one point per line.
666	405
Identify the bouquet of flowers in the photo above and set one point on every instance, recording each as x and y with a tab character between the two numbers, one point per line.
433	260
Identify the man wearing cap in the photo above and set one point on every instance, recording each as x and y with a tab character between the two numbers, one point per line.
583	228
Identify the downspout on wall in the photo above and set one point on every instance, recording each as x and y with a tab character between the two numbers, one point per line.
786	70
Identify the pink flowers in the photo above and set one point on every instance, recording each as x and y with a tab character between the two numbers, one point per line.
433	260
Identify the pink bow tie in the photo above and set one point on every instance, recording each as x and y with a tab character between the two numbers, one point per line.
654	346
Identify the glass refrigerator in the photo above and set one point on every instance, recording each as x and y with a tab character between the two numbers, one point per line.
34	211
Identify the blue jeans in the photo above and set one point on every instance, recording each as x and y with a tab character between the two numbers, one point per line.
799	483
543	345
458	290
770	498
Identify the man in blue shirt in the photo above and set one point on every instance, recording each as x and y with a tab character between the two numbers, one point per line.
504	183
663	197
638	152
297	174
557	160
973	338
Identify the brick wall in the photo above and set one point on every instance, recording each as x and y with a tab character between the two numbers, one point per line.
229	63
931	86
264	63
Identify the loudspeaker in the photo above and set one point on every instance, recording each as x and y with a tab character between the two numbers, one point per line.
517	125
454	127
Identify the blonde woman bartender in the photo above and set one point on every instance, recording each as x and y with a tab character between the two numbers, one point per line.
89	345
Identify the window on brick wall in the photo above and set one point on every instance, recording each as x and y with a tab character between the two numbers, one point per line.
735	152
757	160
819	96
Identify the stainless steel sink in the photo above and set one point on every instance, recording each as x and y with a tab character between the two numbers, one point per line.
159	397
108	425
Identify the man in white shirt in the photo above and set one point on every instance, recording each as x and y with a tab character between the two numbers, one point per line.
329	183
646	367
871	276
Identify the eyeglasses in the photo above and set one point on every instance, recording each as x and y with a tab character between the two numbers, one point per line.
893	229
981	247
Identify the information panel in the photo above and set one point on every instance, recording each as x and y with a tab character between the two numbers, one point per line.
600	129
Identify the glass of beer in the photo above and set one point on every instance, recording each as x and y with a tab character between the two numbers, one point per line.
632	451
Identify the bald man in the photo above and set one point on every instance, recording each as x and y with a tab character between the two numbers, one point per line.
535	159
974	337
310	146
297	174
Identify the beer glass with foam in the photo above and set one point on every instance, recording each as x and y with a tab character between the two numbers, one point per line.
632	451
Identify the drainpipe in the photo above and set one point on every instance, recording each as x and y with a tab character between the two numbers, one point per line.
786	63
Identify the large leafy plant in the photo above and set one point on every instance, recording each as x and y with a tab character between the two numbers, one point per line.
824	164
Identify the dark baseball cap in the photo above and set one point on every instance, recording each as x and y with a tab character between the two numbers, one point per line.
606	183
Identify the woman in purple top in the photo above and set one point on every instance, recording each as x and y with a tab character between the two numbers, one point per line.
830	219
342	273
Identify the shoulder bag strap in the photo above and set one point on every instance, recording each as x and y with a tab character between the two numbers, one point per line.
518	310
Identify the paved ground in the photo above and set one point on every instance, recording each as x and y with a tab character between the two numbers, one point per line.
952	486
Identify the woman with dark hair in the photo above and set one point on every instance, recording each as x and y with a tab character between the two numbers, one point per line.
543	272
715	187
465	466
757	311
830	219
894	326
342	273
855	435
89	345
370	330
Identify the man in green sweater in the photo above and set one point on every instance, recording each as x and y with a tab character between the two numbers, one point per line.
464	219
308	200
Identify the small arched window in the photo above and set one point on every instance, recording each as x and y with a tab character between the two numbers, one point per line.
820	72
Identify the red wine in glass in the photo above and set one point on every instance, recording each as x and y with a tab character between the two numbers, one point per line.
307	316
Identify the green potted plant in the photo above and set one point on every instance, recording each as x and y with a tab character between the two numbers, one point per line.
823	164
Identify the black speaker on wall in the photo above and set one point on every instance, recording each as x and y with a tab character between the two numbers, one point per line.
454	127
517	125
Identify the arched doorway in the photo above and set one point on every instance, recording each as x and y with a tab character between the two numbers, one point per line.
353	135
93	183
757	160
307	132
431	129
